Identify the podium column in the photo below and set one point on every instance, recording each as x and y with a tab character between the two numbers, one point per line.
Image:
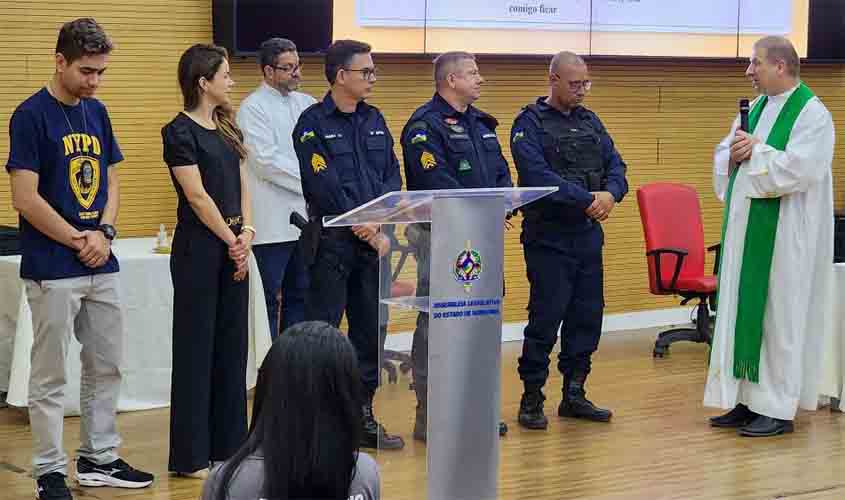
464	352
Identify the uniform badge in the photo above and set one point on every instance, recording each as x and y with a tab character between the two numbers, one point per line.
457	129
464	166
518	136
468	267
84	179
308	134
419	137
427	160
318	163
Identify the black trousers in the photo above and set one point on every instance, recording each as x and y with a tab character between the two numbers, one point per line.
566	294
344	277
210	333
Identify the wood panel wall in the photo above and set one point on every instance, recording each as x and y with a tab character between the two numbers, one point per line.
665	117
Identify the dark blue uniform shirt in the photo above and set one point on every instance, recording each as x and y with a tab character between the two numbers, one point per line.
567	205
345	159
446	149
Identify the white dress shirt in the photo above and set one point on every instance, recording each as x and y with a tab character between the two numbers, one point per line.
267	118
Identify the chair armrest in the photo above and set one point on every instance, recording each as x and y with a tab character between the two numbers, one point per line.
680	254
718	249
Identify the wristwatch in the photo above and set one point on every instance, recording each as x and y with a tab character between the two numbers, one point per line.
108	230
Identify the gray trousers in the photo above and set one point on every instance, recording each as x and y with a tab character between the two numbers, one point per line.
88	307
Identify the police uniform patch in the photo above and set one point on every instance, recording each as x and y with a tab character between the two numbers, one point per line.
85	179
419	137
518	136
427	160
464	166
308	134
318	163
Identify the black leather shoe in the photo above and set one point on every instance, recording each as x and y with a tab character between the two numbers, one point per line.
764	426
531	411
576	405
740	416
373	434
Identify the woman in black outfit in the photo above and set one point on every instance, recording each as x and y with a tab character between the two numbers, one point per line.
209	260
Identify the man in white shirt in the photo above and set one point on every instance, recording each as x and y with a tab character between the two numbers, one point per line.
267	117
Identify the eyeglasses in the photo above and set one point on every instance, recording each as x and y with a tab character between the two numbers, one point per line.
288	68
574	85
366	73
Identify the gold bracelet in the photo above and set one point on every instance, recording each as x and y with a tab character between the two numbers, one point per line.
249	228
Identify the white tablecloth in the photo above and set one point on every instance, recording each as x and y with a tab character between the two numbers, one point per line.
833	360
147	294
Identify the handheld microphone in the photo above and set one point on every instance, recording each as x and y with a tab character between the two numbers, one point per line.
743	115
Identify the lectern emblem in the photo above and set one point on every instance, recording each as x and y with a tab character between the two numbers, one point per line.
468	267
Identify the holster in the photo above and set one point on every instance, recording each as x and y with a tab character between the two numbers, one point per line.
309	238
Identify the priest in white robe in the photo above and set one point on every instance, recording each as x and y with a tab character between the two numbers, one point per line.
775	277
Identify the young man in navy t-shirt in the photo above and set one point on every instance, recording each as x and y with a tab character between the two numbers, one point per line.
65	187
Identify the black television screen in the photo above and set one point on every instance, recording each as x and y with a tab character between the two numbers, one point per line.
827	30
241	25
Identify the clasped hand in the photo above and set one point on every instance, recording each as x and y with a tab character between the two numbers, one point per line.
603	203
239	252
370	233
93	248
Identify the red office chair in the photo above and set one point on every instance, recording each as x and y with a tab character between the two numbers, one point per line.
674	239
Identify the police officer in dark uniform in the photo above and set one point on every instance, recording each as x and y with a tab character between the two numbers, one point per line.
346	159
447	144
558	142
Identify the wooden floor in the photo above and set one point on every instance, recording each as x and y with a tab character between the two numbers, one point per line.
657	447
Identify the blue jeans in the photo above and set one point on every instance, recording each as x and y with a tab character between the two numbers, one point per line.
282	268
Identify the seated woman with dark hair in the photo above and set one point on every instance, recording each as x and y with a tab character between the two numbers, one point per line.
306	425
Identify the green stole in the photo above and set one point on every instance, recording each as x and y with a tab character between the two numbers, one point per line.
759	245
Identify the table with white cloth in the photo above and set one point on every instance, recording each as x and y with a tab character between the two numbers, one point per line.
833	358
147	306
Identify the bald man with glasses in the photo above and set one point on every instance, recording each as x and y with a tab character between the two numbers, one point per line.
558	142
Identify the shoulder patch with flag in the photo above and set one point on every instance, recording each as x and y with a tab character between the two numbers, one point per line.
427	160
419	137
308	134
318	163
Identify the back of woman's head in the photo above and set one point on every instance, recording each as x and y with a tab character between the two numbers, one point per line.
307	414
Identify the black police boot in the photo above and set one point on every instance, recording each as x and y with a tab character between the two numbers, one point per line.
575	403
374	435
422	411
531	410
